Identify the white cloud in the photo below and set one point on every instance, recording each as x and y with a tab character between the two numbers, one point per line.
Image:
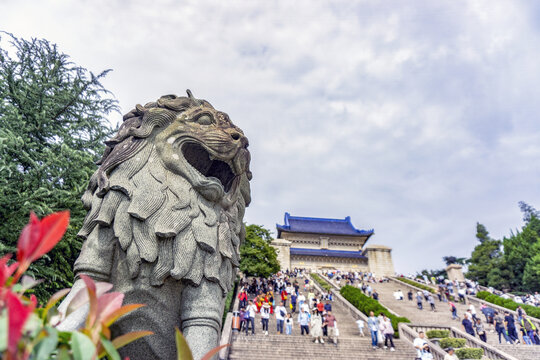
416	120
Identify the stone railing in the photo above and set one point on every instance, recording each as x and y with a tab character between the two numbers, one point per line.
490	352
407	285
408	333
354	312
435	287
337	288
227	332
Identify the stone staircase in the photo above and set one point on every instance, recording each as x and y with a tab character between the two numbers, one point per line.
296	347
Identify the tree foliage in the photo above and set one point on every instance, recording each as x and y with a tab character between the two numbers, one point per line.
510	264
257	257
484	255
52	126
449	260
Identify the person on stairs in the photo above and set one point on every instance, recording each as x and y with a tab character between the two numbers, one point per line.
360	324
511	327
388	332
294	299
316	327
265	316
419	343
480	330
450	355
467	326
301	300
280	312
419	300
303	321
499	327
330	320
288	324
529	328
250	311
373	325
453	310
431	302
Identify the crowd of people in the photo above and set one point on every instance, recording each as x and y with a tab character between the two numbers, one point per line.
279	296
509	329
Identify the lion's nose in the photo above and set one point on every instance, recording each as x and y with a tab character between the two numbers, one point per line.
236	136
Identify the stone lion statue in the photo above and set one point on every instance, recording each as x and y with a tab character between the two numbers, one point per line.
164	222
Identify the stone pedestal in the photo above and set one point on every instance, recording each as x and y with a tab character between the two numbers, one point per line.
283	248
380	260
455	272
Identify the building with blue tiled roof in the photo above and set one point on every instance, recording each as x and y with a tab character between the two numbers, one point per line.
325	243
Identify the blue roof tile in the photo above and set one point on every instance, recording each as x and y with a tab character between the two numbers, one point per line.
328	253
320	226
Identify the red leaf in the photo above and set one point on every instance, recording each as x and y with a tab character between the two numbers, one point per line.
29	238
92	312
40	236
53	227
6	270
109	303
17	315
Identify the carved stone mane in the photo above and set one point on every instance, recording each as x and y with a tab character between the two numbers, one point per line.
186	222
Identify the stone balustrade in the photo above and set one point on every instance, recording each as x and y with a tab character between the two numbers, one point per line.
407	333
354	312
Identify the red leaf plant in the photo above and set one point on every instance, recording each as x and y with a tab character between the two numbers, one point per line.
39	237
24	335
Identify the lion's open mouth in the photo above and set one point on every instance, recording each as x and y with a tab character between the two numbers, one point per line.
197	156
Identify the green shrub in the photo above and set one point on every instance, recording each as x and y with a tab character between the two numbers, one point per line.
321	282
418	285
470	353
508	303
431	334
452	342
366	304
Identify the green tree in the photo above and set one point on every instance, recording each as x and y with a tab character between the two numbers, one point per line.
484	256
257	257
519	249
52	125
531	274
500	275
448	260
481	233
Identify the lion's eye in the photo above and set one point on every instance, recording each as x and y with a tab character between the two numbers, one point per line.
205	120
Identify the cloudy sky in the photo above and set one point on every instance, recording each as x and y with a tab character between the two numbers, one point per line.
416	118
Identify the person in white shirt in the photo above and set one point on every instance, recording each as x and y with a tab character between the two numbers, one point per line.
265	316
473	311
301	300
360	324
281	313
251	310
288	324
419	344
450	355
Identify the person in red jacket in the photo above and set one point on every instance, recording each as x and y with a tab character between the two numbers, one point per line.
242	297
320	307
284	296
